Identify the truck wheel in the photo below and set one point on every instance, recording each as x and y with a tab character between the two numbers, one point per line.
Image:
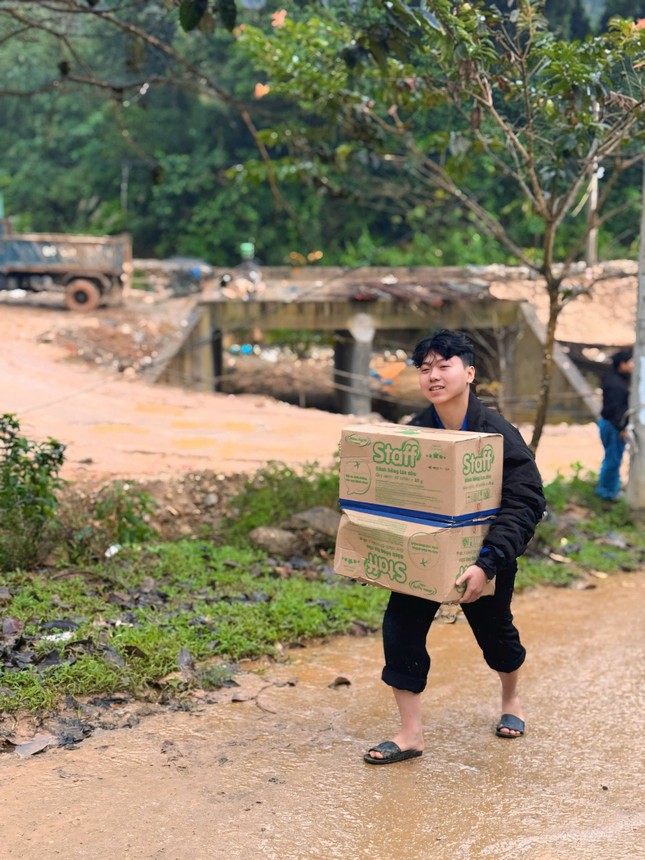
82	295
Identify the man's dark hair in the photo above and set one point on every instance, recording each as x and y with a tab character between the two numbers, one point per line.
446	343
620	356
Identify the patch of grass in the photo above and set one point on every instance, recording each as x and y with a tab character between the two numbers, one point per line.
138	612
534	570
38	691
38	597
158	618
595	555
584	530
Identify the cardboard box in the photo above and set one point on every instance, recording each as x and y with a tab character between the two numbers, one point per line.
417	504
437	472
410	557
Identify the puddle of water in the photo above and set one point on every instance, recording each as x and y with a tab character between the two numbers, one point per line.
158	409
238	427
185	424
117	428
194	442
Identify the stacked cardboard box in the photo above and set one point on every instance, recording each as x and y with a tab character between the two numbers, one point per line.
416	504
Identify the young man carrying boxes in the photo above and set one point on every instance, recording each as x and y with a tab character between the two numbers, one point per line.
446	371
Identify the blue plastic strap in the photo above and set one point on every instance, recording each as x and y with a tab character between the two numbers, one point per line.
425	518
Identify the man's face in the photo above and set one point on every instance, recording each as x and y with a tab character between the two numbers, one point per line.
442	380
626	366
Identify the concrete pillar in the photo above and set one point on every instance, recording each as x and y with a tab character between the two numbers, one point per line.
203	369
212	337
216	356
352	356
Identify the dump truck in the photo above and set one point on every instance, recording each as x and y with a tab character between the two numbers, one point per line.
88	270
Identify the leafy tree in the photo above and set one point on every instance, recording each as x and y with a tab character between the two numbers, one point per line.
538	113
139	118
119	96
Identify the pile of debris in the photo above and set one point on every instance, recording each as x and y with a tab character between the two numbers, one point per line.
120	347
129	340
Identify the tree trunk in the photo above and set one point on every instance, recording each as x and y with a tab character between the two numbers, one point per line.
547	365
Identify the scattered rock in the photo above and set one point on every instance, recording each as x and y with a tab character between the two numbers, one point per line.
37	744
320	519
276	541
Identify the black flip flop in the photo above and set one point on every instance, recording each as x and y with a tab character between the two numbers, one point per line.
512	723
391	753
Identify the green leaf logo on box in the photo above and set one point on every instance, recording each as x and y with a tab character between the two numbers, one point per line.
478	464
361	441
419	585
407	455
357	478
376	566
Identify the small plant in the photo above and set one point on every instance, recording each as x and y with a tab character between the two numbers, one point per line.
29	483
578	489
118	515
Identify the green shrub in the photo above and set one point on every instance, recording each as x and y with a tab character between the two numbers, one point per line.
561	491
580	490
29	483
118	515
275	493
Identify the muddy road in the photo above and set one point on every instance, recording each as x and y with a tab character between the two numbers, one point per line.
279	773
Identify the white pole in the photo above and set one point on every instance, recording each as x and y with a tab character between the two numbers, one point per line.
636	484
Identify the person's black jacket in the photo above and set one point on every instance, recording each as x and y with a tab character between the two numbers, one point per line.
615	398
523	502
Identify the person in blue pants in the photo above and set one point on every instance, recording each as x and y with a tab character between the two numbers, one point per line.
613	423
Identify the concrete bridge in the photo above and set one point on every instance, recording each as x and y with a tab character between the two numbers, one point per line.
365	310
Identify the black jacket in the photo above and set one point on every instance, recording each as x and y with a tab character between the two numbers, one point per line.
615	398
523	501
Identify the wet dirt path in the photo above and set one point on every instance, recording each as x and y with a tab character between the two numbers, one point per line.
281	776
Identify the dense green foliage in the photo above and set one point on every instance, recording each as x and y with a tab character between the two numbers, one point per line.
465	109
88	527
134	118
29	483
275	493
38	521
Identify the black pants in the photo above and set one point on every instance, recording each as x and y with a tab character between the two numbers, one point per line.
407	621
